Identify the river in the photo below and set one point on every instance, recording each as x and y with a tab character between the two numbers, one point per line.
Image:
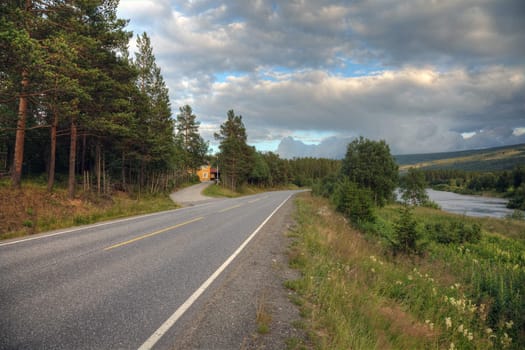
470	205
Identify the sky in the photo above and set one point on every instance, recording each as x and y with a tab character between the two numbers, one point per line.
308	76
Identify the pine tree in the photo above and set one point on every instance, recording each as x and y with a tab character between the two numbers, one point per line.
21	52
194	148
39	49
236	157
156	127
64	65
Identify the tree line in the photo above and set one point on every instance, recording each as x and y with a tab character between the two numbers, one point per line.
240	163
76	108
74	103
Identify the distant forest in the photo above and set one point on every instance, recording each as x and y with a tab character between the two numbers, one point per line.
489	159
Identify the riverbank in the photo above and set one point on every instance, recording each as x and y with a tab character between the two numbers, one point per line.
470	205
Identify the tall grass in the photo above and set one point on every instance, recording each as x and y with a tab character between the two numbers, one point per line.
358	296
32	209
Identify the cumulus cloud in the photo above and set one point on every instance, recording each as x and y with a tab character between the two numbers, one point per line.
412	109
420	74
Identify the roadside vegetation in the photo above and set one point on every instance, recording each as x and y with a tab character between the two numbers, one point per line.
33	209
359	291
219	191
376	274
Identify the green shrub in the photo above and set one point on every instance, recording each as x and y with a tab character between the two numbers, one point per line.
406	235
517	200
453	232
353	202
326	186
430	204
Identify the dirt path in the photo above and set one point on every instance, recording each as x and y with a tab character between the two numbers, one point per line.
191	195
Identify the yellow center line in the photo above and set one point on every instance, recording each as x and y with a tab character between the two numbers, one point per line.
153	233
254	200
230	208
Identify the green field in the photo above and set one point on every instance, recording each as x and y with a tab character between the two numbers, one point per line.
490	159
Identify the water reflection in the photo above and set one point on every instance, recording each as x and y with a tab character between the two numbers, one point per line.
470	205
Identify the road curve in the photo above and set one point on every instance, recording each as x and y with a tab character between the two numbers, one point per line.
113	285
192	195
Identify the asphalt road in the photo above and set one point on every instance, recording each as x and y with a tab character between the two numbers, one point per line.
112	285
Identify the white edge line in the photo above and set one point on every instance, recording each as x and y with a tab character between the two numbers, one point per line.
87	227
155	337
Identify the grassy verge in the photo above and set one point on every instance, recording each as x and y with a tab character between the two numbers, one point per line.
219	191
246	190
356	295
32	209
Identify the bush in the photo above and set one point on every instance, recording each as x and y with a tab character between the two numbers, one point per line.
354	202
326	186
430	204
406	235
517	200
453	232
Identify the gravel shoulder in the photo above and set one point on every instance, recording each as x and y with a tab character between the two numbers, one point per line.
226	316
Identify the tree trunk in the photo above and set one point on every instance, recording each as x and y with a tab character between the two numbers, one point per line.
52	156
123	171
72	159
20	133
83	159
98	166
104	183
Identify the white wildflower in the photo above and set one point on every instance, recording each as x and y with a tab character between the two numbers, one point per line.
448	322
506	340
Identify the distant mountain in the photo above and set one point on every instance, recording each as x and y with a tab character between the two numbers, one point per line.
331	147
489	159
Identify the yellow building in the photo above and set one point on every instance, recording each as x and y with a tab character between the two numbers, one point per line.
206	173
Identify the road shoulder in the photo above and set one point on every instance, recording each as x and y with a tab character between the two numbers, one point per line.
227	318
